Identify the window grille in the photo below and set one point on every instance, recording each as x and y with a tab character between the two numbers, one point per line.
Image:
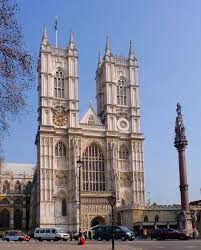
123	152
122	93
93	170
60	150
59	84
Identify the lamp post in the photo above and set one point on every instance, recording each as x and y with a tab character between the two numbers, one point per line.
79	164
112	200
54	199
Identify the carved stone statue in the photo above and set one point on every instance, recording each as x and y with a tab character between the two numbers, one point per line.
180	141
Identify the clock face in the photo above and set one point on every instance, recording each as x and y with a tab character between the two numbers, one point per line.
123	124
60	117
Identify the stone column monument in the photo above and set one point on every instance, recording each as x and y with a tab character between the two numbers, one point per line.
180	142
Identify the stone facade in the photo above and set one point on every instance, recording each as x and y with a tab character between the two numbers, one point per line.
15	189
108	141
155	216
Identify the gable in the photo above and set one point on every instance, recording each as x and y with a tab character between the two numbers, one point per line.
91	118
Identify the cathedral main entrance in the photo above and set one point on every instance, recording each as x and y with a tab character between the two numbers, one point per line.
99	220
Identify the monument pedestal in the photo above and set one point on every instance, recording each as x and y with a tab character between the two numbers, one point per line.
185	222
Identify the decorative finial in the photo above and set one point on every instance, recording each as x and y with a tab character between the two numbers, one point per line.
180	141
56	31
99	60
131	48
90	103
107	47
44	36
131	52
71	42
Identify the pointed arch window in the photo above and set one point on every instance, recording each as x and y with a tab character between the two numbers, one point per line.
123	152
6	187
122	97
91	120
4	218
60	150
18	187
59	84
4	201
157	218
93	170
63	207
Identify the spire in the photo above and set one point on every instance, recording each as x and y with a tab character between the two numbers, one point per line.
56	32
107	47
99	61
44	36
71	42
131	51
90	103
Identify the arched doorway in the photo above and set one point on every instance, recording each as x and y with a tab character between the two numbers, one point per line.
97	221
17	219
4	218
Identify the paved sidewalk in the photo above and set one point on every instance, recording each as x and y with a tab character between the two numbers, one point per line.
73	246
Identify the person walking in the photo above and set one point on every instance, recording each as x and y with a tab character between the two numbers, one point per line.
71	236
89	234
145	233
141	235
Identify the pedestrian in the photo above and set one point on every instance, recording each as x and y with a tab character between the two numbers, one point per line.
145	233
89	234
71	236
79	237
141	235
194	233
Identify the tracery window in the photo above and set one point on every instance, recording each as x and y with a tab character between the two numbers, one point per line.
93	170
91	120
17	187
6	187
18	202
146	218
4	201
59	84
63	207
122	93
156	218
60	150
123	152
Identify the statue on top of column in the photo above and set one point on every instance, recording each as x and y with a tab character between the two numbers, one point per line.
180	141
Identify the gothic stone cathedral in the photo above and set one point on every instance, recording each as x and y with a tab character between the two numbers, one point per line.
108	141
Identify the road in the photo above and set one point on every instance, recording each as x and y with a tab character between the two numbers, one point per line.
104	245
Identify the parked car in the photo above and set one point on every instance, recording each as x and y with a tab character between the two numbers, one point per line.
169	233
50	234
16	236
75	236
120	232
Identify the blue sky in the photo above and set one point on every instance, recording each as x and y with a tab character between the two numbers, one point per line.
167	41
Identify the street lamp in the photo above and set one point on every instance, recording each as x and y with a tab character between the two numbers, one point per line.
79	164
112	200
54	199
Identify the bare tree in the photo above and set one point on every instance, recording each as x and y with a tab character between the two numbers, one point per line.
16	66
